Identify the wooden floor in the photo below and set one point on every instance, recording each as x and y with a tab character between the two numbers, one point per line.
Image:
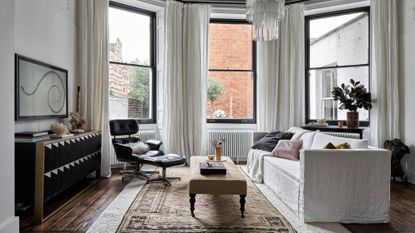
80	213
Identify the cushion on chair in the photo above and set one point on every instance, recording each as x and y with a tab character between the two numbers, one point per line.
167	160
123	127
138	147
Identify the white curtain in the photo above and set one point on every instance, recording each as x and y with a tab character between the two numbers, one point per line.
93	67
384	117
186	60
281	74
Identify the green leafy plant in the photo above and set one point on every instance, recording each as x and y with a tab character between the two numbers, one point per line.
352	96
215	90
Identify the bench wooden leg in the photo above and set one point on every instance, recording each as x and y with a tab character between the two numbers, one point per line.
192	203
242	201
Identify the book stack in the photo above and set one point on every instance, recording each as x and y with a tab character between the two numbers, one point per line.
210	168
31	136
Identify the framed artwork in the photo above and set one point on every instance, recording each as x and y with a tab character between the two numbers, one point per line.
41	90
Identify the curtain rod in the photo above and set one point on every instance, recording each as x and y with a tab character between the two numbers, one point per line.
231	2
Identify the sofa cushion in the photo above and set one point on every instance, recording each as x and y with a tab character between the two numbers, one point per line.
290	168
321	139
288	149
307	139
269	141
297	132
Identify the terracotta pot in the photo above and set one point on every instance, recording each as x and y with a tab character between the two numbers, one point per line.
218	153
352	120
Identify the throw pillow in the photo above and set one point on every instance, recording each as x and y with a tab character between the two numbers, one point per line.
138	147
269	141
343	146
322	139
288	149
329	146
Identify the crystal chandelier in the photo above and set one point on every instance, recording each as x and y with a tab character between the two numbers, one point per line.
265	16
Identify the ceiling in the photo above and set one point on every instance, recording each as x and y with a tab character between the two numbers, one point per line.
237	1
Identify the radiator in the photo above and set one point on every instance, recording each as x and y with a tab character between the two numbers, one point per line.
143	135
236	146
343	135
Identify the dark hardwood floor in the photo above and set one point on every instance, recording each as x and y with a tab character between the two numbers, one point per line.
81	212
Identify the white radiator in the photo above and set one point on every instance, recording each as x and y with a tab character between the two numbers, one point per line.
143	135
343	135
236	146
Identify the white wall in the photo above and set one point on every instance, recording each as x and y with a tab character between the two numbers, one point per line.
45	30
407	82
8	222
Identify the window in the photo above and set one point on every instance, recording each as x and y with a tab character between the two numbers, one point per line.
337	50
132	70
231	79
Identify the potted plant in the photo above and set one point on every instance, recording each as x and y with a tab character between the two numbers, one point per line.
352	97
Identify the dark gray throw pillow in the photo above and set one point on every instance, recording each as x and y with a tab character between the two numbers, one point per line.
269	141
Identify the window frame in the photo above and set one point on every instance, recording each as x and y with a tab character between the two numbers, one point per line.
253	71
153	56
307	59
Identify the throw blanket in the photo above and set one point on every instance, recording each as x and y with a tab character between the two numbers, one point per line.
255	164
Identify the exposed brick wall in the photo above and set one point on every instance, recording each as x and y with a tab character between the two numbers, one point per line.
230	47
135	108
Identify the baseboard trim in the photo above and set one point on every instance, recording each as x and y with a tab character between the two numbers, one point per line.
411	176
10	226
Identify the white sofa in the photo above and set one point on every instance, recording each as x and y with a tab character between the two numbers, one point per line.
345	186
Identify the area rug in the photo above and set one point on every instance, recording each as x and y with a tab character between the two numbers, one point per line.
159	208
109	221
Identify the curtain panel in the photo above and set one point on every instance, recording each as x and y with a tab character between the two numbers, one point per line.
93	71
185	86
384	116
281	74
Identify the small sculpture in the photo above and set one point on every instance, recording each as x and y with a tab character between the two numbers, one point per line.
398	152
77	121
59	129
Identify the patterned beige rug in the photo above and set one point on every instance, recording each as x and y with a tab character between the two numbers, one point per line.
158	208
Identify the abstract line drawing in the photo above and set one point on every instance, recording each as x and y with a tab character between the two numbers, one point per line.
61	91
41	90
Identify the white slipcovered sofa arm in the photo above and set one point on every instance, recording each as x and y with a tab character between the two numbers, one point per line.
335	182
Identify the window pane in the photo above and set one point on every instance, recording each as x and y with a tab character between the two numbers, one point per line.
130	90
339	40
321	83
230	46
129	35
230	95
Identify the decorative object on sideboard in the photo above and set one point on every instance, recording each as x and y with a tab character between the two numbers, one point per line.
399	150
41	89
77	122
59	129
217	143
352	97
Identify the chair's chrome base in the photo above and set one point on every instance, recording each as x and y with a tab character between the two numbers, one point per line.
163	178
129	173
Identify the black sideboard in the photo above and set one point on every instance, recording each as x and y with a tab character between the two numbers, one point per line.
48	168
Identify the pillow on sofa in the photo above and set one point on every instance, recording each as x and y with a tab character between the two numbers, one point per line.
321	139
138	147
269	141
298	132
329	146
288	149
343	146
308	138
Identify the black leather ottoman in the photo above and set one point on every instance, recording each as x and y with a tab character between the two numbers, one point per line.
164	161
